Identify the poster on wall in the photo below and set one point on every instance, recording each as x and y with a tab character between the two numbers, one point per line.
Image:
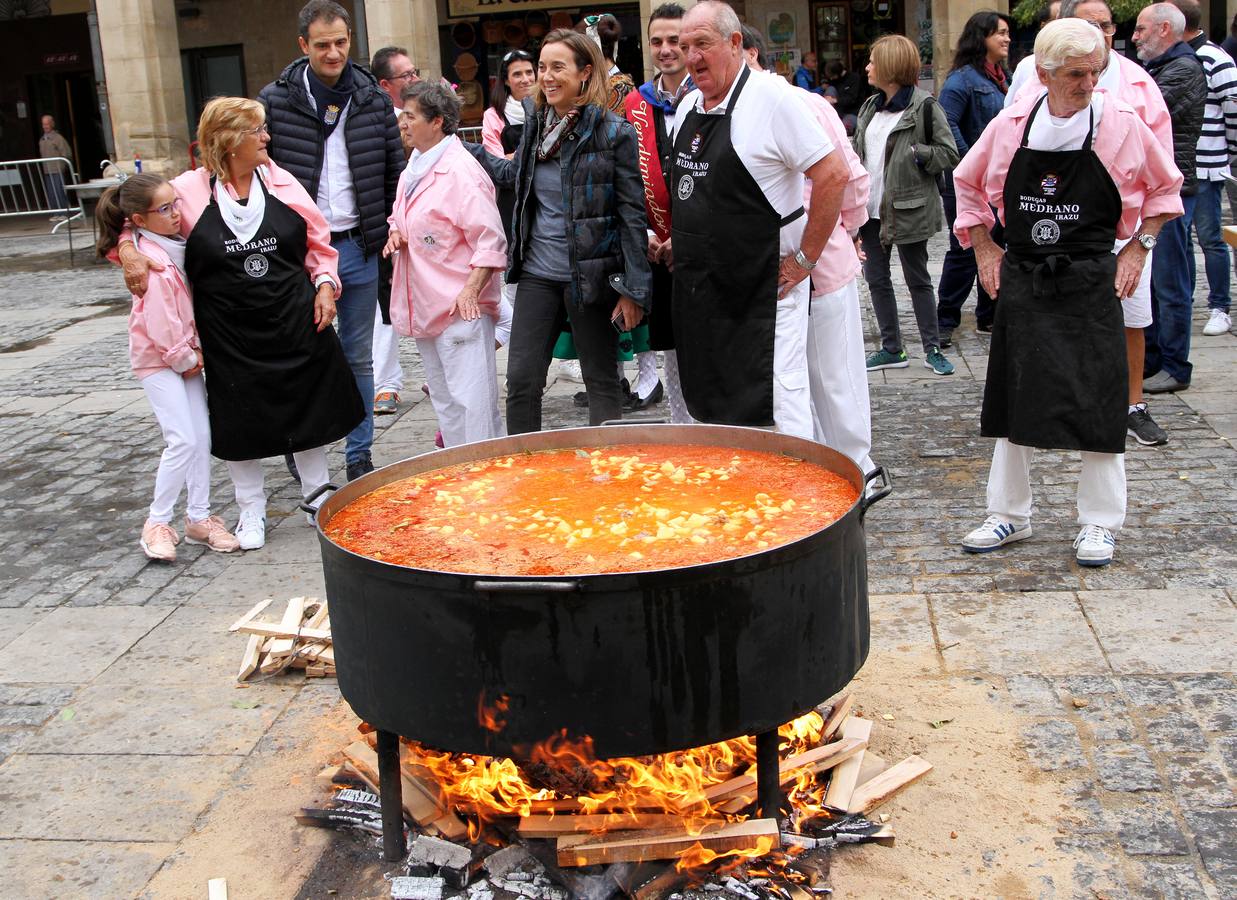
781	30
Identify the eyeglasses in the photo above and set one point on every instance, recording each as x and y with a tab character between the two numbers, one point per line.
1106	27
412	73
167	209
261	129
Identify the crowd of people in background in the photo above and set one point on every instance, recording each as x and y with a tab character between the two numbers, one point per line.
718	215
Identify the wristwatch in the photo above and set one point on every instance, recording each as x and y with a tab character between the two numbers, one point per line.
1147	240
803	262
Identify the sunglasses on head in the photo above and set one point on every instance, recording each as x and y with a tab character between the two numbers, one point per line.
517	54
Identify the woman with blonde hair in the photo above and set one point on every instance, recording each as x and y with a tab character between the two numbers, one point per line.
583	259
905	142
264	278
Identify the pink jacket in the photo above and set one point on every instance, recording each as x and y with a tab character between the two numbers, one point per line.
193	188
492	126
161	330
839	263
450	226
1142	169
1138	89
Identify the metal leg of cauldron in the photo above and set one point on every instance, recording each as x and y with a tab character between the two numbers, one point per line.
392	796
768	776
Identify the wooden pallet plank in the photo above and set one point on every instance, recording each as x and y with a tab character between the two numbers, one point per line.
846	776
554	826
639	846
880	789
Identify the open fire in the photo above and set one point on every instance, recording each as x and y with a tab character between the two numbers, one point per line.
647	827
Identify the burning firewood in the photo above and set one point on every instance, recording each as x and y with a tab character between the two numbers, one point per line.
760	835
300	640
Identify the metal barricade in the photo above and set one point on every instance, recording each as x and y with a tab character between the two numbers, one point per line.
26	189
472	134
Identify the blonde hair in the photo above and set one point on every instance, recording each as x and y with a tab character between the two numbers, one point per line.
587	53
1064	39
896	59
223	125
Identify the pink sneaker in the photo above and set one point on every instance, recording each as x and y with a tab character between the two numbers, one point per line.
159	540
212	533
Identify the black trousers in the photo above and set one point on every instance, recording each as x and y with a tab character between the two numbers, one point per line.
541	313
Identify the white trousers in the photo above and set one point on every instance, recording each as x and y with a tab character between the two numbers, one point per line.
248	477
388	376
179	405
1101	486
792	400
506	309
674	391
463	378
838	375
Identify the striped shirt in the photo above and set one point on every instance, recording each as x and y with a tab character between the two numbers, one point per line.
1218	139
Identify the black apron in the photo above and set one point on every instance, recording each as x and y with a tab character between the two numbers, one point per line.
273	384
726	239
1057	375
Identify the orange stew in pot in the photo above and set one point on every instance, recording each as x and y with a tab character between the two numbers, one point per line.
611	509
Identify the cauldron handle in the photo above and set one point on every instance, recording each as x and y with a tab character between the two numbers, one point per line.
307	503
525	587
867	500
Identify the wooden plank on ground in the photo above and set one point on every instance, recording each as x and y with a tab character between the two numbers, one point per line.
868	797
846	776
554	826
872	766
292	619
639	846
252	657
278	631
217	889
738	792
249	616
837	715
364	760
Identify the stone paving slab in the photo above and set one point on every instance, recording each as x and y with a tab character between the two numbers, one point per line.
1015	633
15	622
209	717
79	868
185	648
108	797
75	645
1164	631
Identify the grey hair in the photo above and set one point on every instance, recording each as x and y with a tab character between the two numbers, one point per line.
1166	12
1069	8
723	17
1066	38
435	99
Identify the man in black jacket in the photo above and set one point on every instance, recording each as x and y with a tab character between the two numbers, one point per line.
332	127
1179	75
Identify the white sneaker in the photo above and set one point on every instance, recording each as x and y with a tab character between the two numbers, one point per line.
251	530
995	532
569	370
1219	323
1094	545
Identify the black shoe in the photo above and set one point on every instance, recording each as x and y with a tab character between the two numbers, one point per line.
360	467
580	399
1140	426
983	327
946	336
290	462
635	404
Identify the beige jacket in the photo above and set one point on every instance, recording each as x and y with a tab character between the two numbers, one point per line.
51	144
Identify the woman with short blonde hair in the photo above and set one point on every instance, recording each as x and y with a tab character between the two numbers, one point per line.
264	278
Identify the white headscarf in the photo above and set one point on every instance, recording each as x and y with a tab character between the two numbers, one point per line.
420	164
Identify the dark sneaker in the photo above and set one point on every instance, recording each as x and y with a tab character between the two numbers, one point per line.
936	361
580	399
883	359
947	338
983	327
1140	426
361	466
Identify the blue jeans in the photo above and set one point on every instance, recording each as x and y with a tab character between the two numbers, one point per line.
1172	299
1207	215
959	273
356	305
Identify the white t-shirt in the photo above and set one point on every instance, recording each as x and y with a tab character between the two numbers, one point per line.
874	141
776	137
1048	132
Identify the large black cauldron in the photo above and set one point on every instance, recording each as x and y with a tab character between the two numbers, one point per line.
643	662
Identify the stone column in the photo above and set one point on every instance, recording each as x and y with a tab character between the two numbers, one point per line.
412	24
948	19
146	90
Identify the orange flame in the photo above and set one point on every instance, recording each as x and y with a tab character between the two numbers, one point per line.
698	855
490	717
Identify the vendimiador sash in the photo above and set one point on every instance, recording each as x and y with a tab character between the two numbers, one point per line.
641	114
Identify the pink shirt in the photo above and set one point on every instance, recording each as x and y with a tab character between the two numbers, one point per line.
1133	85
161	330
492	126
1141	168
839	263
193	188
450	226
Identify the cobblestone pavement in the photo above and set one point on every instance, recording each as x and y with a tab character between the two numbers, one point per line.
123	747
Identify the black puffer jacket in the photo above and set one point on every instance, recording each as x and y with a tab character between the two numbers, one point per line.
1179	74
605	206
374	152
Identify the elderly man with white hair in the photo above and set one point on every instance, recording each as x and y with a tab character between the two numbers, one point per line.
1068	172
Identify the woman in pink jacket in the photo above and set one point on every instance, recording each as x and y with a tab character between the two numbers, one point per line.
167	359
447	241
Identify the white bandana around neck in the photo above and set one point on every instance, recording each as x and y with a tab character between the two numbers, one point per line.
419	164
174	247
243	220
513	111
